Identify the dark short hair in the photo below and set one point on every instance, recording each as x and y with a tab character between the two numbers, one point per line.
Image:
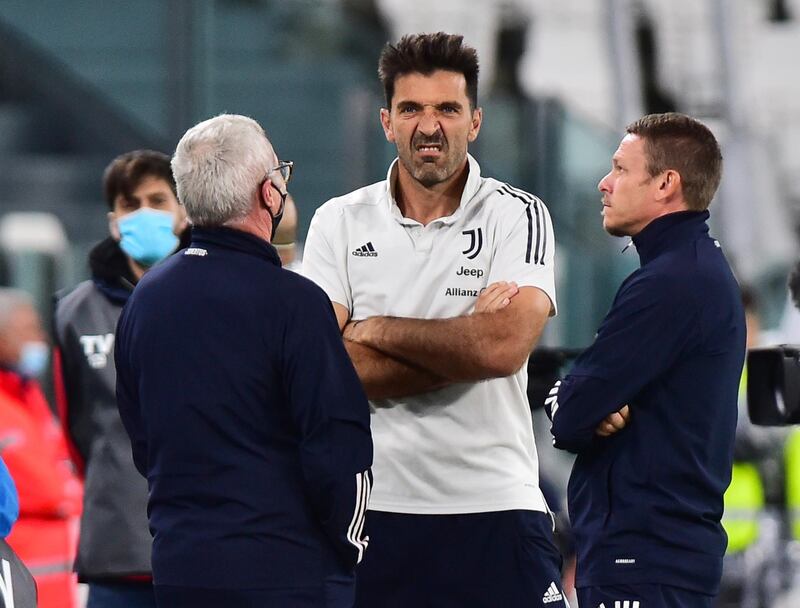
124	174
679	142
426	53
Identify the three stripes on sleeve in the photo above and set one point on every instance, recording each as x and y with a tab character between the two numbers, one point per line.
355	531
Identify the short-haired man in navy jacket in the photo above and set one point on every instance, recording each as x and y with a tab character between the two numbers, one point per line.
244	411
650	406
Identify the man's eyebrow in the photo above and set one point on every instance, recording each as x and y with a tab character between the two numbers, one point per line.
408	103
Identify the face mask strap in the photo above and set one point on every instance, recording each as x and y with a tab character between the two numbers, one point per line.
276	218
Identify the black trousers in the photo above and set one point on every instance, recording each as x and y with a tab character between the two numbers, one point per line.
642	596
337	592
483	560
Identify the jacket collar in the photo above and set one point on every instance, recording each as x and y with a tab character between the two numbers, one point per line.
237	240
110	271
669	232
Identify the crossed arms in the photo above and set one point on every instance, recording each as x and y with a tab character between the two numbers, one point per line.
645	332
398	357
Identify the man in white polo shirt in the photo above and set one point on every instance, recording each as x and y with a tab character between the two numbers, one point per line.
456	516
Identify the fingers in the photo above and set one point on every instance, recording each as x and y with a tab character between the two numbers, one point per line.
604	429
349	331
617	421
614	422
493	295
496	296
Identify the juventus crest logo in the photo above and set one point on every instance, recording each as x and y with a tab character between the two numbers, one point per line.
475	242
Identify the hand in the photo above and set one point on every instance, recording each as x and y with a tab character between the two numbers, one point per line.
354	330
496	297
613	422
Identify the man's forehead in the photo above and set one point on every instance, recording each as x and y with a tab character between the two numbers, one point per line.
439	85
631	146
150	184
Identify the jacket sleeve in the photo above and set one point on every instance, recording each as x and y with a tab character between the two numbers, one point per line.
47	488
127	392
643	334
331	413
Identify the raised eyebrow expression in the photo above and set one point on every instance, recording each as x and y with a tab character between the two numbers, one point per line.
445	107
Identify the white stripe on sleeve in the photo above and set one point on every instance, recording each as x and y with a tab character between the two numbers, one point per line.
356	527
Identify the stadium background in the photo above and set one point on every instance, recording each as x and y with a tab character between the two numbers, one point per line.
83	81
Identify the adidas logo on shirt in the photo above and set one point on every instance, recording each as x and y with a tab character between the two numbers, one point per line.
365	251
552	594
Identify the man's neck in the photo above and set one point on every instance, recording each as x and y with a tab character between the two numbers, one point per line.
137	269
425	204
254	223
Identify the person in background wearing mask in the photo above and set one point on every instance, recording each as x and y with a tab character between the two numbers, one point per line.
145	221
35	451
285	241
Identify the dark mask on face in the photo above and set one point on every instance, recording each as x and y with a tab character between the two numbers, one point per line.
276	219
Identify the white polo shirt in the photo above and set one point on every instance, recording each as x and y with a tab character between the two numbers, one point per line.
467	448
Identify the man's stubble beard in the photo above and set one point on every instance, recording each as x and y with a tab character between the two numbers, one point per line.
615	231
429	174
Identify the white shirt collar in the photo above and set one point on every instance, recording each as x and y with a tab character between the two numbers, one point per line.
470	190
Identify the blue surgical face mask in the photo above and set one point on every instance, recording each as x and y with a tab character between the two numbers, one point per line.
147	235
33	359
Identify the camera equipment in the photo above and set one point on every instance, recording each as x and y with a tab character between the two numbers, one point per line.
773	385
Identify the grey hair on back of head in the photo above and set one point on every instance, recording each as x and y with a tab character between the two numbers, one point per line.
218	165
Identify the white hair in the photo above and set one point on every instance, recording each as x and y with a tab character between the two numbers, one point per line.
218	165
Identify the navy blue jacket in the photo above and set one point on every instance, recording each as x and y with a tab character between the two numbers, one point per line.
646	503
247	418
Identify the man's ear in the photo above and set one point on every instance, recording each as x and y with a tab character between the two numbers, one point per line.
475	127
268	195
669	185
386	123
264	192
113	226
181	220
